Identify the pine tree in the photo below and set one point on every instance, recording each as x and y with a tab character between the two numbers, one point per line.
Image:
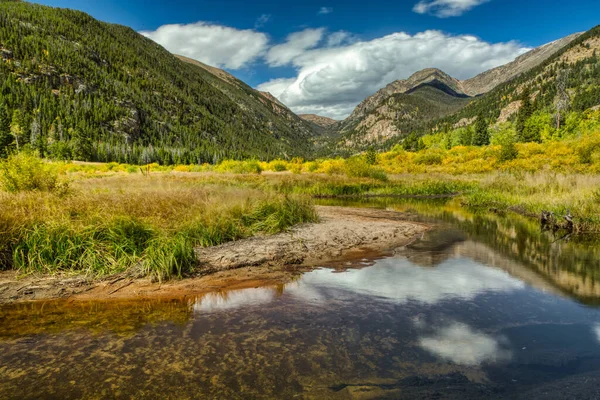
83	146
6	138
37	141
482	134
525	112
371	156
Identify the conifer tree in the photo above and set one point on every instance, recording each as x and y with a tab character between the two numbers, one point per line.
482	134
6	138
525	112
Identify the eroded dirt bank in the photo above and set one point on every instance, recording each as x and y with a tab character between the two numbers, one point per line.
342	234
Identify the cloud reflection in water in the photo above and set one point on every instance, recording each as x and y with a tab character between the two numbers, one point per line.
399	280
233	299
392	279
462	345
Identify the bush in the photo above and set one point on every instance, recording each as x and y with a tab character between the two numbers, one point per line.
27	172
429	158
278	166
359	168
239	167
586	148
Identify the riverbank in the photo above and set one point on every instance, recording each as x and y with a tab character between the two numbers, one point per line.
348	234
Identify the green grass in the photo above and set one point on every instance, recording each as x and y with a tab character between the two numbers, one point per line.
114	221
113	224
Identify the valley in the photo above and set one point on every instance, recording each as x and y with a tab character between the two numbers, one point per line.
177	219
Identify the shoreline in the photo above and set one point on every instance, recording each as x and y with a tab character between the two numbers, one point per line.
344	235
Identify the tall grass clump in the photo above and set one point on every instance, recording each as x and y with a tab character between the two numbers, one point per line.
25	171
120	222
279	214
169	257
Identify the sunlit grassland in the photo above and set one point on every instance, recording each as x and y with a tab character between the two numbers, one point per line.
146	225
524	192
104	219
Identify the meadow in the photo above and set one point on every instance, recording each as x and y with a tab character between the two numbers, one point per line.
104	219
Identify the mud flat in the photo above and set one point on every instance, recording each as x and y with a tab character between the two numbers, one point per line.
342	235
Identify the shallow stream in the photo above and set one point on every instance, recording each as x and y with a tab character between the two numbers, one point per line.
483	306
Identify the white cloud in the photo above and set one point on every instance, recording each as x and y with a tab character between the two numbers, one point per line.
333	79
262	20
462	345
339	38
325	10
446	8
216	45
296	44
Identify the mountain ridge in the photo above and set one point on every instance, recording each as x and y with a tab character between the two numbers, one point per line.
384	122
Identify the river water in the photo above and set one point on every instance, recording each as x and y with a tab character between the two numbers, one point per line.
483	306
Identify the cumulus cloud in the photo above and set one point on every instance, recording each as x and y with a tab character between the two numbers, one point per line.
295	45
462	345
325	10
216	45
446	8
262	20
333	78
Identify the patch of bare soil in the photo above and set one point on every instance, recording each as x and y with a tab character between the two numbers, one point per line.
343	234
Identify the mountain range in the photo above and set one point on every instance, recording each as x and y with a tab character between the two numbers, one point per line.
79	88
417	103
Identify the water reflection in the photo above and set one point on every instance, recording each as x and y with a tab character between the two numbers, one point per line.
471	312
596	330
462	345
399	280
571	265
228	300
394	279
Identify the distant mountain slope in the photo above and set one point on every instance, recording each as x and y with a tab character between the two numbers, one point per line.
402	113
253	100
488	80
399	108
323	122
77	87
578	62
431	76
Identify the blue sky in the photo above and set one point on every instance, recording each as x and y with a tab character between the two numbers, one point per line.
325	56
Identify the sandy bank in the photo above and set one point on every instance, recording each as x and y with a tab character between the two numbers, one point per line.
342	234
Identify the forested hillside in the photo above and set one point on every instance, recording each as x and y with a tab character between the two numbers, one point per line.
559	80
74	87
568	81
558	100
